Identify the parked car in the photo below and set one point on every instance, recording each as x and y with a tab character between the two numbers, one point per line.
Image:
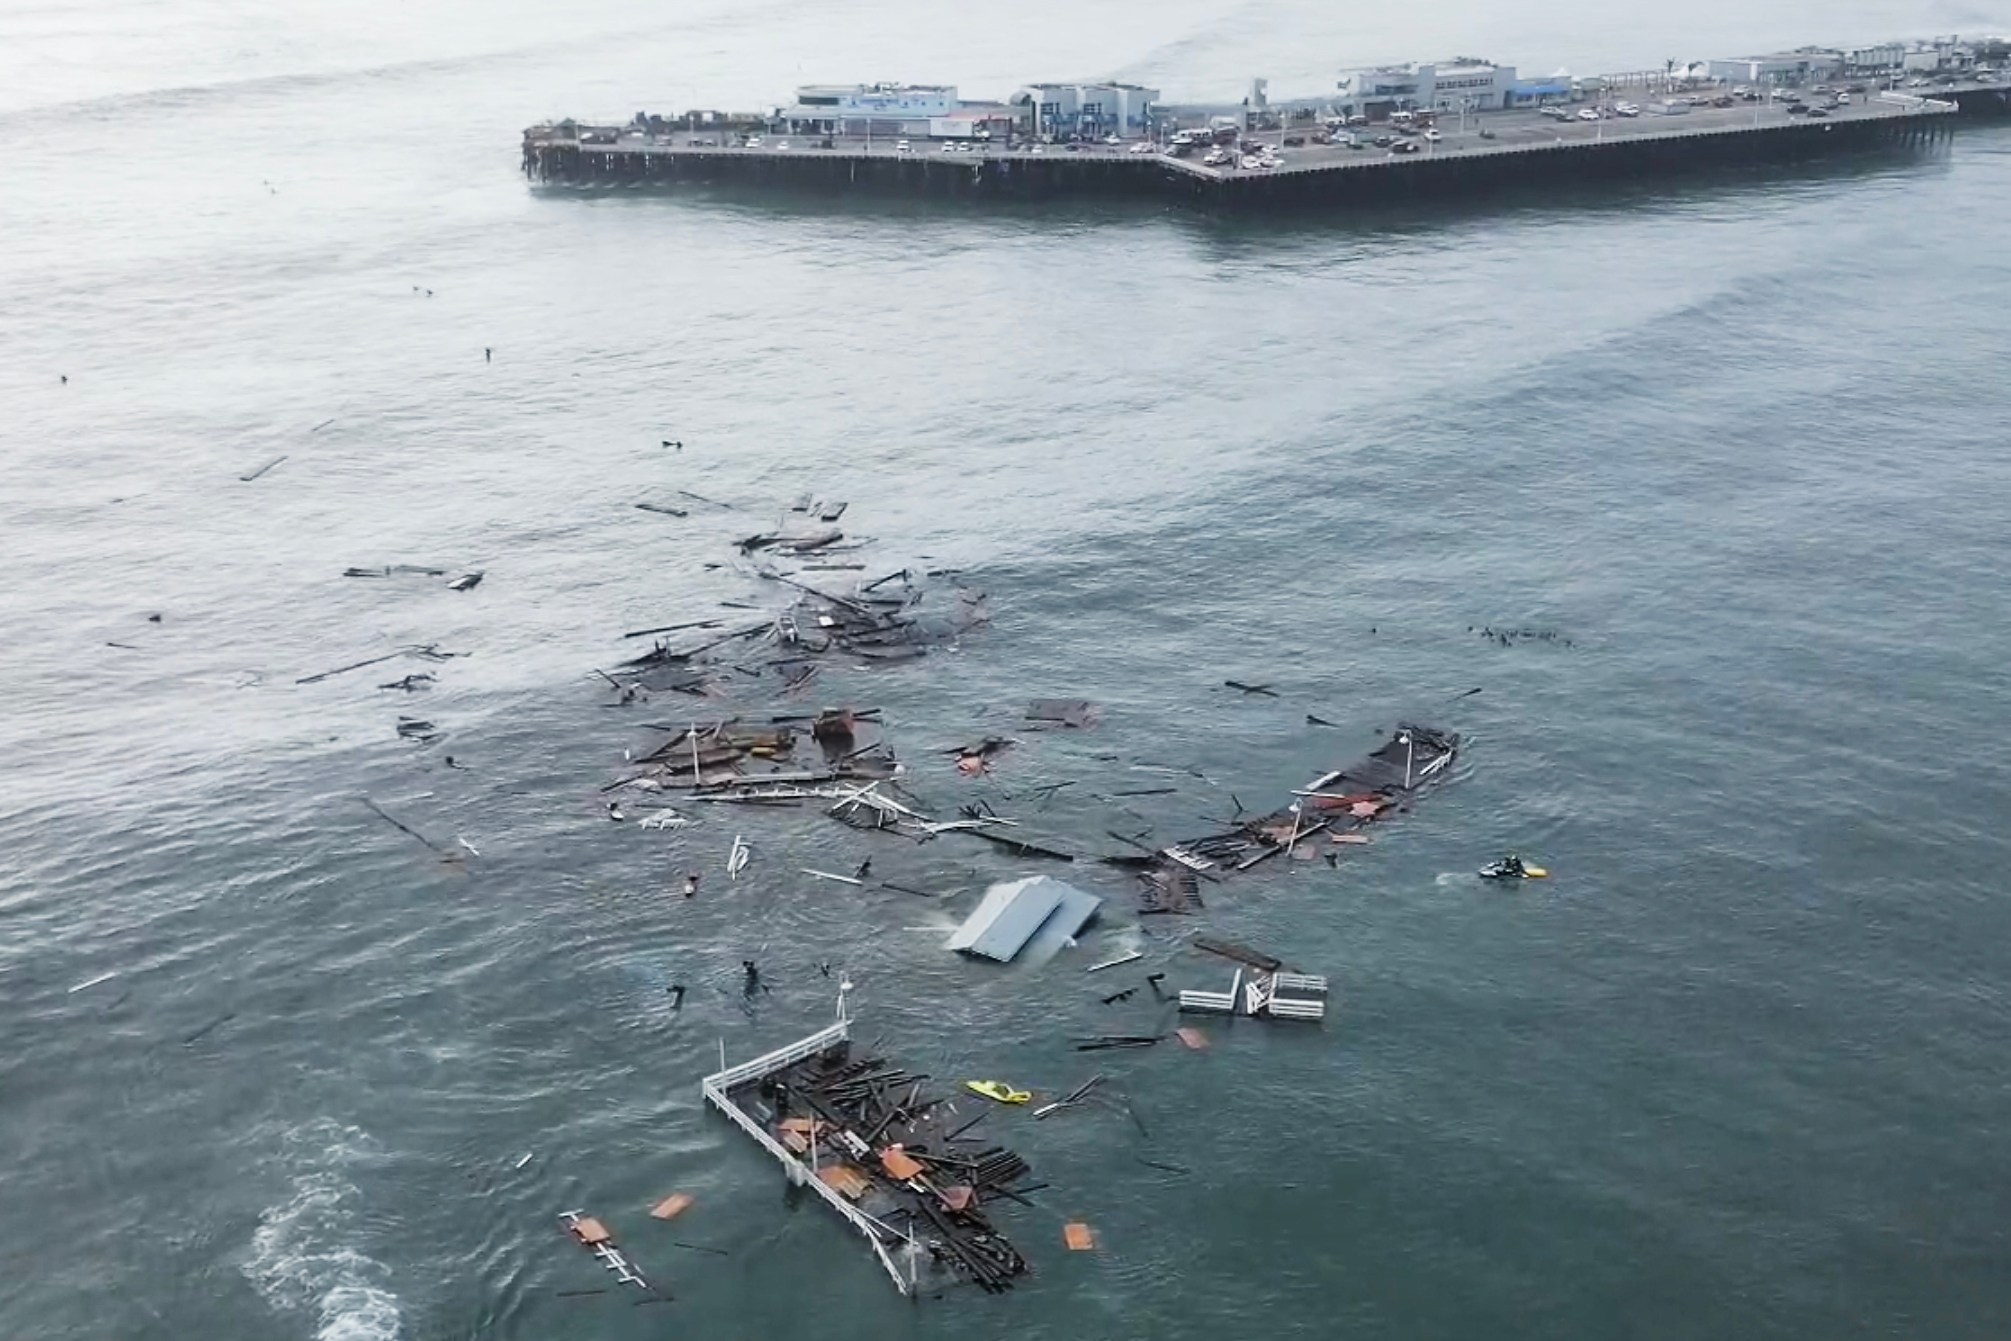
903	147
1295	141
1404	147
753	141
1843	100
1215	158
1816	112
1588	114
1112	139
782	144
1433	136
1798	109
1384	141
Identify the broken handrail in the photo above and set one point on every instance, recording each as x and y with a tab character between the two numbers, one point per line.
715	1089
430	651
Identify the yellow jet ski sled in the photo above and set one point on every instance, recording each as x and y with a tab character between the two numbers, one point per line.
1512	868
999	1090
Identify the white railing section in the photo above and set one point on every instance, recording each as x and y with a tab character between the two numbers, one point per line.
715	1089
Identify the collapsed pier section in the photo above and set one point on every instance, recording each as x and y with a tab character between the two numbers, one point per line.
892	1159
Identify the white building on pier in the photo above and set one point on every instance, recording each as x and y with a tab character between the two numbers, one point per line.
860	109
1085	111
1463	82
1782	67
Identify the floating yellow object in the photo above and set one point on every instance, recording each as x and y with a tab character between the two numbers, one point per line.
1534	873
999	1090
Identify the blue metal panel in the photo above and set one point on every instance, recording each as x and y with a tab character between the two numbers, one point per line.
1067	920
1007	917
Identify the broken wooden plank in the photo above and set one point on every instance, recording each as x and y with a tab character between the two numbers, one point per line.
672	1206
1242	954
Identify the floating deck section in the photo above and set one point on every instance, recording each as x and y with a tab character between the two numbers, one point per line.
890	1158
1330	808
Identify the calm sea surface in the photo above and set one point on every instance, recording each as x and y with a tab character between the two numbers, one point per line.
1739	1070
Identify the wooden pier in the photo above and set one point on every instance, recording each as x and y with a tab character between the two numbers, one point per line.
1492	151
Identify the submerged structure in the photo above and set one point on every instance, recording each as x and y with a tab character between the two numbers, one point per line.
1038	912
893	1160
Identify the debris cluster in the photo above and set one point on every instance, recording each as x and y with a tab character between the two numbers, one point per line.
878	1138
1337	803
1510	637
787	752
883	621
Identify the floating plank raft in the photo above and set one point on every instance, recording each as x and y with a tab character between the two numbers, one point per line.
1343	799
893	1160
596	1238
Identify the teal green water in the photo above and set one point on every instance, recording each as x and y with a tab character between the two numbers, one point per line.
1735	1071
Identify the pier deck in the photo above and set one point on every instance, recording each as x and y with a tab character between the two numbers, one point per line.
1488	149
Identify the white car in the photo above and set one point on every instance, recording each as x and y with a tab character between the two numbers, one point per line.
1433	136
753	141
902	147
1214	158
1036	149
782	144
1587	114
1141	148
1843	99
1112	139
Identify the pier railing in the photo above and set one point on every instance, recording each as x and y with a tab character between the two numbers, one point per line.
716	1088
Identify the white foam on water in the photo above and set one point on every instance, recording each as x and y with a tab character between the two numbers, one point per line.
302	1258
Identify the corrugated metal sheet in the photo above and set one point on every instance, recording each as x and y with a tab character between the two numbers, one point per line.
1006	918
1069	917
1039	912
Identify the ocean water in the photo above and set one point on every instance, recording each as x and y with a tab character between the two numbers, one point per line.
1737	1070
